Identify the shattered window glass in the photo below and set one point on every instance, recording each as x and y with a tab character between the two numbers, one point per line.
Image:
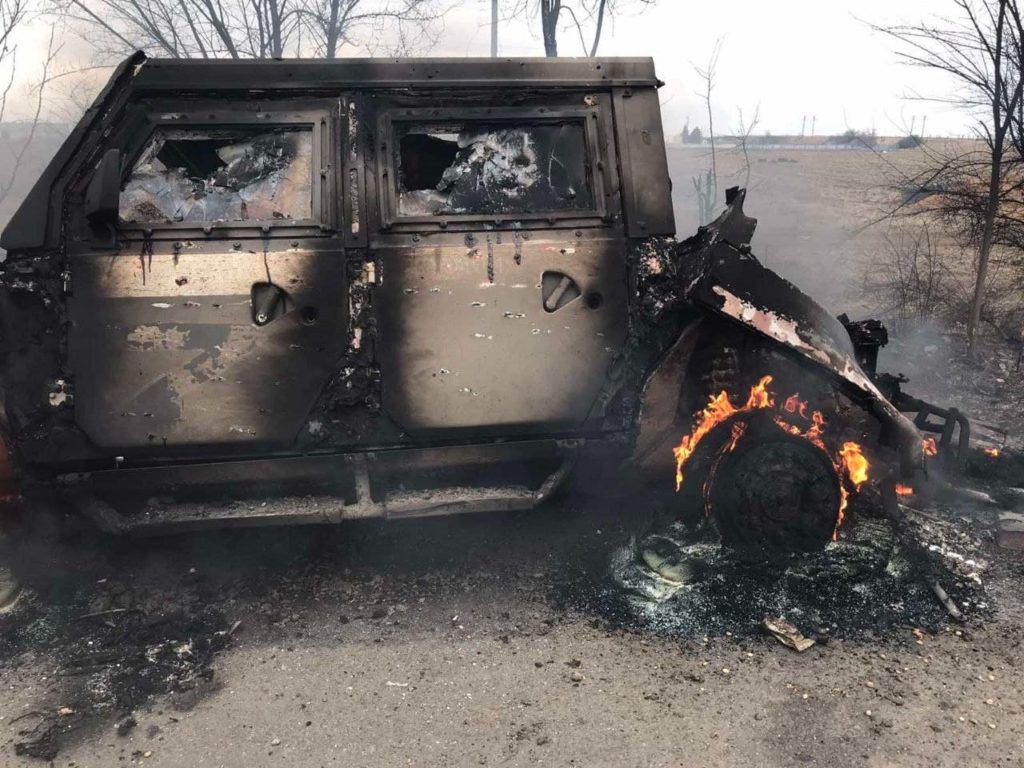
481	168
209	175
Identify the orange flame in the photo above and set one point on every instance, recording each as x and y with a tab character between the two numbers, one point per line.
759	396
855	464
817	427
850	462
785	426
929	446
904	490
718	409
993	452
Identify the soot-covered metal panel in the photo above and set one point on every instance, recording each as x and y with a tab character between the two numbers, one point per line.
165	352
646	187
499	333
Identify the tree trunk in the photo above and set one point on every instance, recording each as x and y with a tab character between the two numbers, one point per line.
597	32
994	184
494	29
549	11
988	227
331	31
714	156
276	39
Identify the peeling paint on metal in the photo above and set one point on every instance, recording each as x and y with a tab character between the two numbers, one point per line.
154	336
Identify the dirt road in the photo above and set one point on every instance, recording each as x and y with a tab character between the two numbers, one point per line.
452	642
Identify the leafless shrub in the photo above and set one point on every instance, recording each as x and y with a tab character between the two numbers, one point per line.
919	276
707	185
911	279
854	137
1003	309
911	141
743	130
706	188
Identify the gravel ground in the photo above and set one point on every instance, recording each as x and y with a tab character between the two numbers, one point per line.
457	641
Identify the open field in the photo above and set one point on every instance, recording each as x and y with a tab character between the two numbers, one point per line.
813	209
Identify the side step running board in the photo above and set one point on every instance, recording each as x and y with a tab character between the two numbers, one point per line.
161	517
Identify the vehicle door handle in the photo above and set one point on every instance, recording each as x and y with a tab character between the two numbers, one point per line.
557	290
269	302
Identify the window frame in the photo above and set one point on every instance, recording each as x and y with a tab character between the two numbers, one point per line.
388	172
322	184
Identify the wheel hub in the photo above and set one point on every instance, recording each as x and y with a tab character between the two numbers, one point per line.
774	492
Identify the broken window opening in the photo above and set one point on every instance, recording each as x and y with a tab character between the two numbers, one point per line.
229	174
492	168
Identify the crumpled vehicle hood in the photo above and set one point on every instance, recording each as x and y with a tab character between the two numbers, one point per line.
727	280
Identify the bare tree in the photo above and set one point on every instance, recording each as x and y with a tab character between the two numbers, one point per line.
255	28
980	48
706	186
587	17
13	151
744	129
17	156
13	14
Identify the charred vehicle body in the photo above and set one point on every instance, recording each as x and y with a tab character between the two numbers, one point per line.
304	291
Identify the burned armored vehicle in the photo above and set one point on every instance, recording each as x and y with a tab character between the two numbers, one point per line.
251	292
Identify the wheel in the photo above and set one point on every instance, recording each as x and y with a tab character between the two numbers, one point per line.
769	473
774	492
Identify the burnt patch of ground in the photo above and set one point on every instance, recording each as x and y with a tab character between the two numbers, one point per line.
996	473
106	642
108	626
684	584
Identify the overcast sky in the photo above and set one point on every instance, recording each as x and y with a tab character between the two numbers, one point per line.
790	57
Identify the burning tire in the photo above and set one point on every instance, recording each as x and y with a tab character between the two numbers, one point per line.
770	471
774	492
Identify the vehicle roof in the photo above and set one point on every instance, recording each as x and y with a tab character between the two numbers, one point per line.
165	75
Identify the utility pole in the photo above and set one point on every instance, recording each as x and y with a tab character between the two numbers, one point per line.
803	125
494	29
814	122
924	123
